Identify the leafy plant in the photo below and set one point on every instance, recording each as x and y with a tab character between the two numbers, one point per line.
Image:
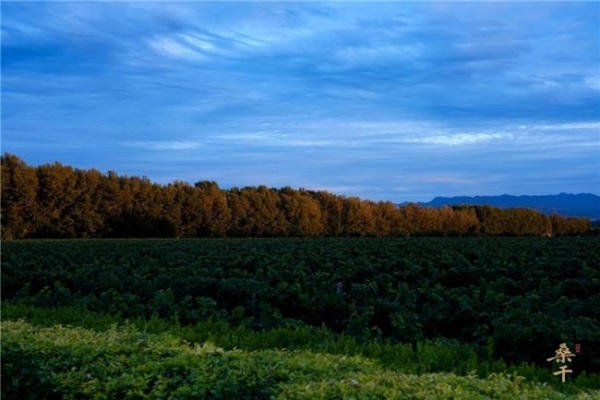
123	362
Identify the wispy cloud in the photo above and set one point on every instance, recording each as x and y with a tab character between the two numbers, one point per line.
460	138
167	145
593	125
171	47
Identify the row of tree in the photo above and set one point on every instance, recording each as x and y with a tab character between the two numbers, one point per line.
57	201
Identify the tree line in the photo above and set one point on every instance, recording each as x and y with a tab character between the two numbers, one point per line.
58	201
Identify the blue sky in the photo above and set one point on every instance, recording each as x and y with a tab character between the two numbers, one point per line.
387	101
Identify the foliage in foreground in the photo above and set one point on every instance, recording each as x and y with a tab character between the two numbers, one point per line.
74	363
422	358
525	295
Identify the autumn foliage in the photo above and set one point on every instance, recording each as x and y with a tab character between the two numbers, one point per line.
58	201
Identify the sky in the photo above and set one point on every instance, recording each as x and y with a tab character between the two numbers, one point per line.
394	101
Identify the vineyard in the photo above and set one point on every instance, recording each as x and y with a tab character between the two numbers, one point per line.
492	303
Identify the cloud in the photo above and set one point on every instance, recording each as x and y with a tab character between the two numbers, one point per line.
460	138
200	41
592	81
174	48
593	125
167	145
378	97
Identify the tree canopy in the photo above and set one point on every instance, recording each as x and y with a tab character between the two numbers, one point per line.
58	201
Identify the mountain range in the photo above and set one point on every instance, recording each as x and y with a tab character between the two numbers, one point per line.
568	205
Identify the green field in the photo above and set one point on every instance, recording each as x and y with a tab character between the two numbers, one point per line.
300	318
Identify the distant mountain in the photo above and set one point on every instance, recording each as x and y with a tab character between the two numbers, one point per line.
568	205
